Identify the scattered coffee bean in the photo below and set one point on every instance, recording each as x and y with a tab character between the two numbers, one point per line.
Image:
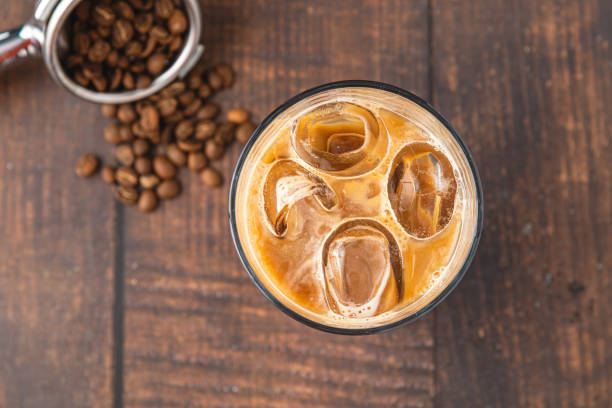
174	128
142	165
148	181
205	129
108	174
176	155
225	133
87	165
126	176
215	80
237	115
196	161
168	189
208	111
147	201
124	154
213	150
211	177
111	133
126	113
164	168
127	195
244	132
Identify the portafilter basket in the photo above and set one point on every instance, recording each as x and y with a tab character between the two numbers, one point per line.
44	35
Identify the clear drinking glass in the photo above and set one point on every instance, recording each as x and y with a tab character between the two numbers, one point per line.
426	118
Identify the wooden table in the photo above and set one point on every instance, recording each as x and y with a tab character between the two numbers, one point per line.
101	306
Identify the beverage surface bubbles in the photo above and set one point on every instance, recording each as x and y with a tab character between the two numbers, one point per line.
354	210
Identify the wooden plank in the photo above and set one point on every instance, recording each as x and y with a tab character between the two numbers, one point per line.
56	245
197	331
529	86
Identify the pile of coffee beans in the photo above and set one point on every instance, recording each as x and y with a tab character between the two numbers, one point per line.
122	45
155	137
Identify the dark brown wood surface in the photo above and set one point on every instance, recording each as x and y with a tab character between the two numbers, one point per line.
101	306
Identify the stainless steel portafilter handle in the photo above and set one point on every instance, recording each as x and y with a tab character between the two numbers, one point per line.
43	35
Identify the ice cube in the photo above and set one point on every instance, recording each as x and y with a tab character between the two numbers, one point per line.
362	269
340	137
287	183
422	189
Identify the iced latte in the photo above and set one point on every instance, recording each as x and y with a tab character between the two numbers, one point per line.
355	207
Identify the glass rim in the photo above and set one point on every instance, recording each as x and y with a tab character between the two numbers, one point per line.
253	139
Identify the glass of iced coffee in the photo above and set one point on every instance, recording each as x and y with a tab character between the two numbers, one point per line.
355	207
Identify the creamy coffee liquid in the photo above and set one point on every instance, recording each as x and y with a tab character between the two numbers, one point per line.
356	207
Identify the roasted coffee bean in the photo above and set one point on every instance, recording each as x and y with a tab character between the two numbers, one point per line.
156	63
168	189
164	8
142	4
225	133
108	174
92	70
111	133
244	132
164	168
196	161
205	129
143	22
149	118
140	147
128	81
131	50
80	43
194	80
237	115
193	107
214	150
226	73
103	15
148	181
124	154
110	111
211	177
143	81
125	133
115	79
189	146
123	31
208	111
175	117
81	79
167	106
173	89
177	23
184	129
166	135
204	91
147	201
160	34
175	44
98	51
74	61
176	155
185	98
127	195
149	48
215	80
87	165
82	10
142	165
124	10
104	32
100	83
112	58
126	176
126	113
123	62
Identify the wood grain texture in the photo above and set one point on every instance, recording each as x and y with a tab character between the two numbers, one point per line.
529	86
56	245
197	331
